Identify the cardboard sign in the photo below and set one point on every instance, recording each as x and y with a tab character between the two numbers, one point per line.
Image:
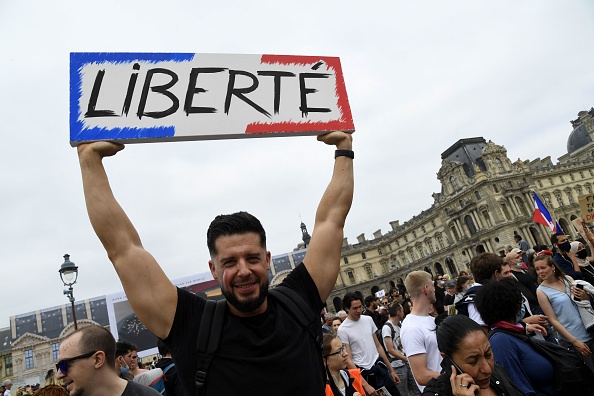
150	97
587	207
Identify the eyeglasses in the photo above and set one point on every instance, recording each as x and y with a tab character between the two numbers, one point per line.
62	365
342	350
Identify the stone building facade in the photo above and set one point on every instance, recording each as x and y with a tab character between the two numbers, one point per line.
485	199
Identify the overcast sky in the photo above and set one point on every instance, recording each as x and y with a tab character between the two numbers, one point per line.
419	75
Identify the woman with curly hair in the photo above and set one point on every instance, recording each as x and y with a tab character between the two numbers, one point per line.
500	306
51	390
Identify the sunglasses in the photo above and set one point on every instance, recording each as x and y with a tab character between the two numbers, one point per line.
62	365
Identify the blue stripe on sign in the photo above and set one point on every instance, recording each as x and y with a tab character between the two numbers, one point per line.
79	59
97	133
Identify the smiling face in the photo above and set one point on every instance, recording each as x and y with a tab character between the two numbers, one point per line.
241	266
80	372
355	311
475	358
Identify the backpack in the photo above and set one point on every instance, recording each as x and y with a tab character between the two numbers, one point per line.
159	383
383	341
572	376
211	325
468	298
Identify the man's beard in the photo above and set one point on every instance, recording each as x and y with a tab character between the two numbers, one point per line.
248	305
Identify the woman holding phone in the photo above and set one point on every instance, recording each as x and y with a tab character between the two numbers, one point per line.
469	368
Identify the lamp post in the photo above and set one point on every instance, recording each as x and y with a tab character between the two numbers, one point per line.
69	273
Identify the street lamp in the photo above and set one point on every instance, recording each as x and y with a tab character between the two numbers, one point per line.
69	273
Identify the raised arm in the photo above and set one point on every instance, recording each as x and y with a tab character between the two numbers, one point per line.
150	293
322	259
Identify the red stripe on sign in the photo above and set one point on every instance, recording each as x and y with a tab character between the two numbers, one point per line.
345	123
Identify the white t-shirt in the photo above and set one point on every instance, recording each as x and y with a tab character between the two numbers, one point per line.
418	337
359	335
387	332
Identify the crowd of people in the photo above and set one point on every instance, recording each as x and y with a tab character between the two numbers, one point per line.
479	333
432	336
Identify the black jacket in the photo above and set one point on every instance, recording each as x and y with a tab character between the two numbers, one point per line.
441	386
173	385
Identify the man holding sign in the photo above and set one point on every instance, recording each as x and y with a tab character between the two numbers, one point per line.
263	350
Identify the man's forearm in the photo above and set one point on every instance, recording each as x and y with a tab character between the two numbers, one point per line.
110	222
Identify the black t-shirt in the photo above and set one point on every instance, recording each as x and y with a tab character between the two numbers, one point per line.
134	389
267	354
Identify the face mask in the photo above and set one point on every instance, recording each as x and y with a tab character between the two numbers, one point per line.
582	254
442	283
519	265
124	370
565	246
520	314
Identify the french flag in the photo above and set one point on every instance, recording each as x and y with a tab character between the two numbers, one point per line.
542	215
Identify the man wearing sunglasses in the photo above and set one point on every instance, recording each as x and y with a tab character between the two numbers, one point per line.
86	361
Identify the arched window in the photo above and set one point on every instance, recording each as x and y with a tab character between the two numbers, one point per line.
521	206
470	224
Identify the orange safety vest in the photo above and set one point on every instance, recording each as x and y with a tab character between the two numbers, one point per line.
357	383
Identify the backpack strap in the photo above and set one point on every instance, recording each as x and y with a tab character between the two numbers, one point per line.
168	367
209	336
294	303
392	333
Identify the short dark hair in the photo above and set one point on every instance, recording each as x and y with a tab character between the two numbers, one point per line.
497	301
394	309
163	350
555	237
517	237
97	338
233	224
369	300
349	298
484	266
123	347
453	330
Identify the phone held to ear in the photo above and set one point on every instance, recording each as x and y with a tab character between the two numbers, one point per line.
448	363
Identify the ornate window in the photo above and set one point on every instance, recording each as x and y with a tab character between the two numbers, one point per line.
470	224
499	164
29	359
440	241
368	271
420	250
454	183
403	258
55	347
495	188
454	232
477	195
363	256
487	218
385	268
430	245
8	365
521	206
569	196
345	259
559	198
505	211
351	277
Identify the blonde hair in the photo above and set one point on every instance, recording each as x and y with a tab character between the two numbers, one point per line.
415	281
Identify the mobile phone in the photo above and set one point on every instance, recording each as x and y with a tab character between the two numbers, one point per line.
448	362
579	287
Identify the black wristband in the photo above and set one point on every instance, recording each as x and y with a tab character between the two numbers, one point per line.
344	153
